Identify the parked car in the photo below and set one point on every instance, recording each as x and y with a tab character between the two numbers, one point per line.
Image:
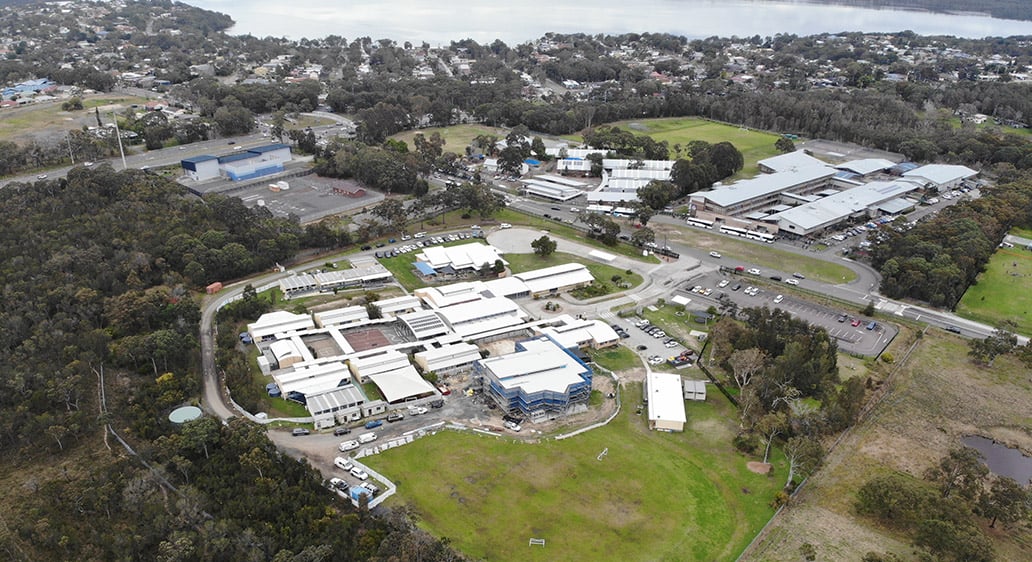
338	484
505	225
41	177
395	417
792	281
723	283
341	431
444	390
513	426
753	271
343	463
715	255
736	286
373	489
437	403
348	446
359	473
299	431
798	275
778	299
417	410
855	323
843	317
872	325
373	424
775	278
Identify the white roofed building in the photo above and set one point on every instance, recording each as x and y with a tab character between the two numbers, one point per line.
401	385
826	212
448	358
379	362
790	161
278	324
341	316
540	377
463	257
424	324
571	333
941	176
666	401
285	353
564	277
763	191
866	166
474	319
314	379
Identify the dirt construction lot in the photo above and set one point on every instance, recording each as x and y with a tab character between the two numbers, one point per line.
934	399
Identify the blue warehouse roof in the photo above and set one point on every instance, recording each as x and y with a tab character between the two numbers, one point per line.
236	157
198	159
268	148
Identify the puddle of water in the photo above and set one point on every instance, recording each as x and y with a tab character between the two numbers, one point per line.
1002	460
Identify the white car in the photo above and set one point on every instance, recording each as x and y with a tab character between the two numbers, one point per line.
715	255
513	426
753	271
723	283
338	483
406	237
505	225
41	177
792	281
417	410
574	210
348	446
778	299
359	473
419	234
343	463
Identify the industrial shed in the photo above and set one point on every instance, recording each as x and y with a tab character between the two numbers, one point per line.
666	402
424	324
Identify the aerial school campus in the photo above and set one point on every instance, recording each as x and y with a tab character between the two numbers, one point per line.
513	450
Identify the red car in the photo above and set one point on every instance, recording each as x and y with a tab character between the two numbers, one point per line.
445	391
855	323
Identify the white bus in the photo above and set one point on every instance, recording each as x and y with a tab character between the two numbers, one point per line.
700	223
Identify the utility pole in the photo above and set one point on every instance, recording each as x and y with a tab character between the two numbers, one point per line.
119	135
68	139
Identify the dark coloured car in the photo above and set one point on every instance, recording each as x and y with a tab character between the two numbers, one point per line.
367	247
547	216
775	278
843	317
437	403
953	329
736	286
298	432
342	431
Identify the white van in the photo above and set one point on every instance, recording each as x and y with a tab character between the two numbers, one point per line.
367	437
348	445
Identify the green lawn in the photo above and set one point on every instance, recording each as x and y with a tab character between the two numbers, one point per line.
764	256
456	138
565	231
655	496
519	263
1022	232
754	145
1003	291
616	359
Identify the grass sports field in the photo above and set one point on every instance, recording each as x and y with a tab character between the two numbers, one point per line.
754	145
519	263
1003	291
456	137
654	496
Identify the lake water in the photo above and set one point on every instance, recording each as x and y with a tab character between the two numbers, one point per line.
442	21
1002	460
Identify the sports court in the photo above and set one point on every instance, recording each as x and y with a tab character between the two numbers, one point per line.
362	340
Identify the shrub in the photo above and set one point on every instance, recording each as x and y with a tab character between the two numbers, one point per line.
887	357
746	443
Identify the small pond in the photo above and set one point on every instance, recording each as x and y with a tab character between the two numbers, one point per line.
1002	460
